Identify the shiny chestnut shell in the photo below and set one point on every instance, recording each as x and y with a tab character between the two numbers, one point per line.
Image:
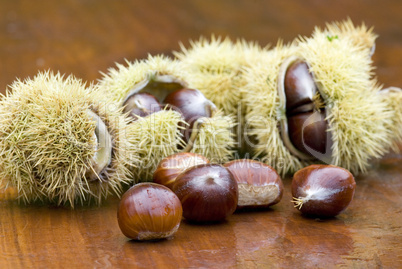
299	87
259	184
149	211
141	105
308	131
170	167
208	193
192	104
305	130
322	190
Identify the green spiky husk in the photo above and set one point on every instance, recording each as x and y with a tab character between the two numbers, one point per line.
357	119
338	65
393	99
216	68
263	111
158	136
215	140
47	142
343	72
358	125
120	82
361	36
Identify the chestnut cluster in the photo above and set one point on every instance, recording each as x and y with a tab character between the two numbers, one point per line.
188	185
191	103
211	192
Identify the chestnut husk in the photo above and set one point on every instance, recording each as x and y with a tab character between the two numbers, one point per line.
160	76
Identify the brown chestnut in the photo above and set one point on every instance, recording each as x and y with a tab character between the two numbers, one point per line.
149	211
259	184
170	167
192	104
308	131
322	190
299	88
208	193
141	105
305	129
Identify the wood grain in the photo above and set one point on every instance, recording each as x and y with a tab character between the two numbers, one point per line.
367	235
88	36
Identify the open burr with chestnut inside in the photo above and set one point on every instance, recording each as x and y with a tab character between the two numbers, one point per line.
168	113
316	101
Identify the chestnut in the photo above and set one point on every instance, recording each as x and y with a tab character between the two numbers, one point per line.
170	167
259	184
149	211
308	131
192	104
299	88
322	190
141	105
304	130
208	193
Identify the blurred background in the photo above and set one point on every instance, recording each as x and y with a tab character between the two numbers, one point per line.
86	37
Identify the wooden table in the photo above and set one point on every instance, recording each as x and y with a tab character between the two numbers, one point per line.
88	36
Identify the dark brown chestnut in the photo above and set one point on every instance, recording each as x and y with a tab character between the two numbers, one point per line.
322	190
149	211
259	184
192	104
308	131
305	130
170	167
141	105
300	88
208	193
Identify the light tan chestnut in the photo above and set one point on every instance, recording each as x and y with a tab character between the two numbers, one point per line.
322	190
149	211
259	184
170	167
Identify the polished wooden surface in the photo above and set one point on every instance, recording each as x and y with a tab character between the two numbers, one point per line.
88	36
